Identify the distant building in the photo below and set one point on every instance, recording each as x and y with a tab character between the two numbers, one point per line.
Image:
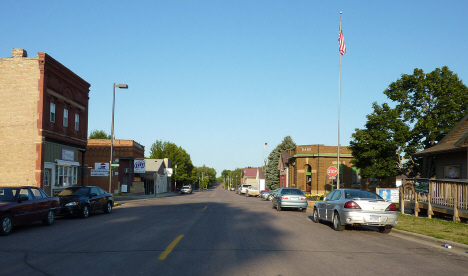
308	165
157	180
126	155
43	122
249	176
283	167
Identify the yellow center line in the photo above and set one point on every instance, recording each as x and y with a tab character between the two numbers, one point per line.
170	247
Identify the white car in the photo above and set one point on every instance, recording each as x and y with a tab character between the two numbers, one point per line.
243	188
186	189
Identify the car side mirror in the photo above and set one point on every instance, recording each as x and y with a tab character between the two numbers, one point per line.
23	198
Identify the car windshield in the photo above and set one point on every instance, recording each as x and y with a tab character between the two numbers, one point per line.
292	192
361	194
75	191
8	194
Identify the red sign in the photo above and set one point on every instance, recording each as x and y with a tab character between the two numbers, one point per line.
332	171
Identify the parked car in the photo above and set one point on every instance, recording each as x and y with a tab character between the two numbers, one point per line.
243	188
233	188
186	189
356	207
252	191
21	205
264	193
270	195
83	200
289	198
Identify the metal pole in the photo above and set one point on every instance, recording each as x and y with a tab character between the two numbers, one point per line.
112	142
339	111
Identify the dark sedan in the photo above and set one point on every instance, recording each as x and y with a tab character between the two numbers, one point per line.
82	201
20	205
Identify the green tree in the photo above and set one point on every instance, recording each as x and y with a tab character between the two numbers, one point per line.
99	134
178	156
427	107
272	171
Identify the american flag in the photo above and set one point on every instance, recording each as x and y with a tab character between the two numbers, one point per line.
342	44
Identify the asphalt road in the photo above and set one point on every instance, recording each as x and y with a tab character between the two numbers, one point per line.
214	232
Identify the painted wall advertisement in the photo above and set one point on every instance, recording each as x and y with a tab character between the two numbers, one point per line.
392	195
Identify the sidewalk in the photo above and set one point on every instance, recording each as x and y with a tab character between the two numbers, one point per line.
125	197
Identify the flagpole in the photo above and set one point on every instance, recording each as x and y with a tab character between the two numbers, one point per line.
339	111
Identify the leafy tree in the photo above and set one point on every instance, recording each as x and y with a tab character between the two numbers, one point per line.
427	107
178	156
272	171
99	134
207	174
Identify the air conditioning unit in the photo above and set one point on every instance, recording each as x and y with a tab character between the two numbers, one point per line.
128	170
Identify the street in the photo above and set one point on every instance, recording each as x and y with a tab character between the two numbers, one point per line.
213	232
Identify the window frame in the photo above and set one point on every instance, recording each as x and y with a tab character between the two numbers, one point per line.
77	122
52	113
65	117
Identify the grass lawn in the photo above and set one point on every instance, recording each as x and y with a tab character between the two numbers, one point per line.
434	227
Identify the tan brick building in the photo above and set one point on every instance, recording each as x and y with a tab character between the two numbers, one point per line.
308	166
43	122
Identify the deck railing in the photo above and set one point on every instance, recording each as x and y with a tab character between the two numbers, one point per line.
440	193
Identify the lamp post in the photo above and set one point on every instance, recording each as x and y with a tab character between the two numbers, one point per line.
175	177
122	86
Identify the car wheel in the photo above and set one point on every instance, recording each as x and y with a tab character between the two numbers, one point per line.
84	211
336	222
108	208
278	208
384	230
6	225
315	217
50	218
270	198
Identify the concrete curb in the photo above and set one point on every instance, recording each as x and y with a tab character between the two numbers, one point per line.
442	242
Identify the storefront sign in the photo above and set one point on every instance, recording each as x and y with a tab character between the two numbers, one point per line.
392	195
68	155
101	166
139	166
100	173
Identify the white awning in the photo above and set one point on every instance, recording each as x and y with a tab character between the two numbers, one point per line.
67	163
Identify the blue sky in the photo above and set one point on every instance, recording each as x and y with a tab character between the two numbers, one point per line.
222	78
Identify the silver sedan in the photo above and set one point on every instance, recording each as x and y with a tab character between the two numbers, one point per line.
289	198
356	207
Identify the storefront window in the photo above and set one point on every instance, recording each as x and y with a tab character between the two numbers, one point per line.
66	175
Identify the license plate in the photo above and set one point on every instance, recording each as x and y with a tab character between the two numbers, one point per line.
374	219
294	198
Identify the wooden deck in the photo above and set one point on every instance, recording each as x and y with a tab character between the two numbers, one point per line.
436	196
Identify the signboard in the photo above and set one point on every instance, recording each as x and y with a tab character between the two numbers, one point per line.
68	155
101	166
332	171
169	172
139	166
392	195
100	173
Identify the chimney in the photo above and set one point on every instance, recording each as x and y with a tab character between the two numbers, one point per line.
19	53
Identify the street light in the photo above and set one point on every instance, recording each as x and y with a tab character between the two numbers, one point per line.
122	86
175	176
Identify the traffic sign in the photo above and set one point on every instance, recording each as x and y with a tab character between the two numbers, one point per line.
332	171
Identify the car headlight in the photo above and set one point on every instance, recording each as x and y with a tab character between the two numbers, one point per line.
72	204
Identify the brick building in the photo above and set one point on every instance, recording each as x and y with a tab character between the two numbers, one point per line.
308	166
124	178
43	122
